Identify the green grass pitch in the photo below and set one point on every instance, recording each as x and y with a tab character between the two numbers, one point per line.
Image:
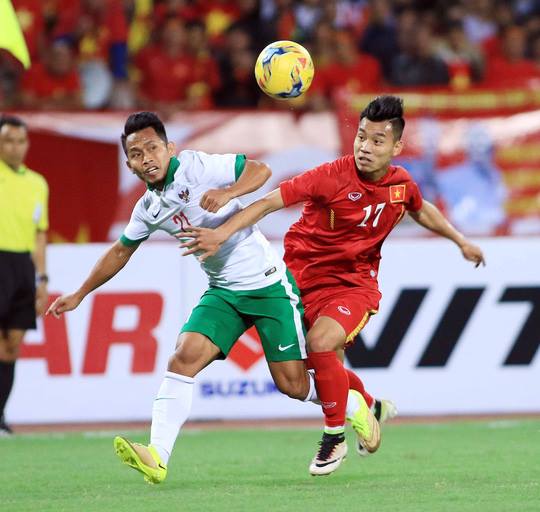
466	466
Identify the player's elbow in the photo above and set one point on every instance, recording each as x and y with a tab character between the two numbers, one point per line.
122	252
264	171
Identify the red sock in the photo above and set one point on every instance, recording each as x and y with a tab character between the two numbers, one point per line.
356	383
332	386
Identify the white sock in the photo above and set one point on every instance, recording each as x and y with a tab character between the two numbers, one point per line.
312	393
352	405
171	409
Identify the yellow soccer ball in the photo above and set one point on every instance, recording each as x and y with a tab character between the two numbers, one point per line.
284	70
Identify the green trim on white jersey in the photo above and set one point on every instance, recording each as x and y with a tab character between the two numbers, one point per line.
124	240
171	170
239	166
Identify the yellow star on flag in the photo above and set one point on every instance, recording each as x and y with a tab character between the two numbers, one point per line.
397	193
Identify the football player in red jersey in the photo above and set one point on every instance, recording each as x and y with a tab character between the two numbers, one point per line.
350	207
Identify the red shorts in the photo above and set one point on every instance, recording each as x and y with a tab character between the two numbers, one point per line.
350	307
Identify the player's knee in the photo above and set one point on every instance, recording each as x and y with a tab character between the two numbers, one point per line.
184	360
319	342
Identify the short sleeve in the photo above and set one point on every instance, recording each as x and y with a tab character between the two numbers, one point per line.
219	170
43	222
137	230
317	185
414	199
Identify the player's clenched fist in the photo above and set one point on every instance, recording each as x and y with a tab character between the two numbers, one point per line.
473	253
63	304
212	200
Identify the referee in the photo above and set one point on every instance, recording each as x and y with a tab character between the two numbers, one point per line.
23	240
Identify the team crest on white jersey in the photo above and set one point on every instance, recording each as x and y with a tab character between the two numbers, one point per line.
354	196
184	195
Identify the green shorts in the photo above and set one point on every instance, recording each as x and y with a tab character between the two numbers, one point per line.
276	311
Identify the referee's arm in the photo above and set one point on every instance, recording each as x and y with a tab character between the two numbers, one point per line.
40	264
106	267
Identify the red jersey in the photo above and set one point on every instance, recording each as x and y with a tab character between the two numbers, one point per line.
345	220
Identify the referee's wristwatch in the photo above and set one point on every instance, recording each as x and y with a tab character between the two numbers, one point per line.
42	278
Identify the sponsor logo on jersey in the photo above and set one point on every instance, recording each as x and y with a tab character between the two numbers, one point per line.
155	210
397	193
184	195
270	272
344	310
354	196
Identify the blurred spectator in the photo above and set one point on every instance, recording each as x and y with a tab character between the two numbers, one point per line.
32	21
99	30
10	72
380	35
236	63
322	47
174	76
251	22
139	16
183	9
511	69
417	65
352	15
206	76
218	15
282	19
462	58
307	13
53	84
479	22
349	69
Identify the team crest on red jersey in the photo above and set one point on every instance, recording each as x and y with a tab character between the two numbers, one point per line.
397	193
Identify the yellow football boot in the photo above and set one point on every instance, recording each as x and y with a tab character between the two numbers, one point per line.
142	458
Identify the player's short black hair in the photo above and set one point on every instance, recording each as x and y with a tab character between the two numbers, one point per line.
140	121
12	121
387	108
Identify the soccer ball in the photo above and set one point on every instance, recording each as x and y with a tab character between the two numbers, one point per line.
284	70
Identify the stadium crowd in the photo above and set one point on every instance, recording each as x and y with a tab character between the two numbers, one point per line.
190	54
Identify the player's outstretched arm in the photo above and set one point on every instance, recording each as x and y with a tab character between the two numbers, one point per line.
210	240
430	217
105	268
254	176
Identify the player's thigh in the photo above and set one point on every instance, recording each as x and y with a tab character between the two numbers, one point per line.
216	318
10	342
278	317
290	377
326	334
194	351
351	311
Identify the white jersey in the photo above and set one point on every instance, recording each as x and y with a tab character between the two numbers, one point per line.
244	262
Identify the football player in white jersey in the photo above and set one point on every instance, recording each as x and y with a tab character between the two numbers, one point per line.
249	283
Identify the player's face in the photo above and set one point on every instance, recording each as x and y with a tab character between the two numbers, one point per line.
374	146
148	155
13	145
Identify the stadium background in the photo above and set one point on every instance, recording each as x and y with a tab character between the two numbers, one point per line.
448	340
